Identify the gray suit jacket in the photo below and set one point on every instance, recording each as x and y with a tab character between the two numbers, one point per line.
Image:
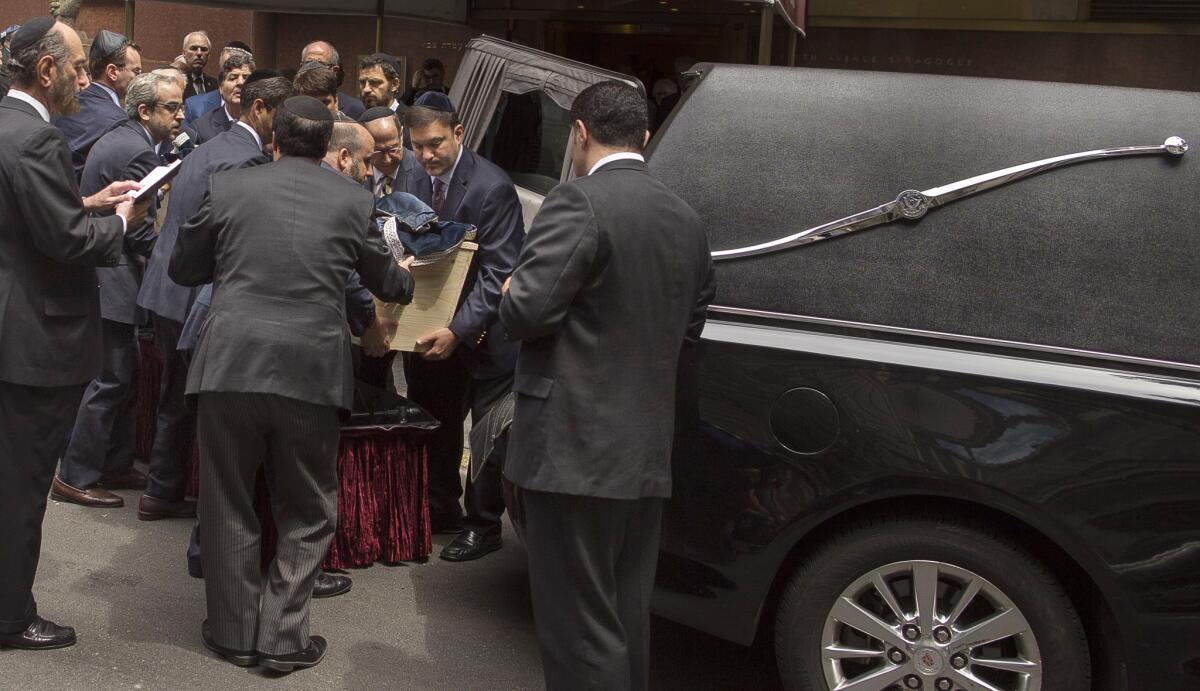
125	153
278	242
233	149
614	275
49	308
481	194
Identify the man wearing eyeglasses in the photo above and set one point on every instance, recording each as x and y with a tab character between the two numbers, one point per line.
99	457
113	62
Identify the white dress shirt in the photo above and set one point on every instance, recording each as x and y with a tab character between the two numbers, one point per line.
37	105
624	155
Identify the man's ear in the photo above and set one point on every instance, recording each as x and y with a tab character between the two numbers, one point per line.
458	131
111	71
581	135
46	71
646	140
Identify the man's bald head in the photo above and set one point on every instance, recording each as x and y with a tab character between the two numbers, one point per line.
320	51
350	150
389	147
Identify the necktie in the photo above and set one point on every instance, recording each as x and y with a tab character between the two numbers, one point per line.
385	186
439	195
197	84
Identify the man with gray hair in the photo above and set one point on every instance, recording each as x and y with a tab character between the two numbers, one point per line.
49	328
99	456
196	48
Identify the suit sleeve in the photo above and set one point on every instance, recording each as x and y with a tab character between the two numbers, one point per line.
140	240
559	255
705	296
381	274
360	305
49	200
500	241
193	261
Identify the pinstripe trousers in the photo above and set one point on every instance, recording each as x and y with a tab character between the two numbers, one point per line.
238	433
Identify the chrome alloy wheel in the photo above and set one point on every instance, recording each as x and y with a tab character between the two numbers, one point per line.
928	625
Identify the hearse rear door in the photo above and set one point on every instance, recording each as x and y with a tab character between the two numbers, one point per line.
515	105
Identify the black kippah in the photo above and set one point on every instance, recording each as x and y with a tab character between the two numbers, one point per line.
261	74
238	45
389	59
375	114
435	100
30	33
308	107
105	44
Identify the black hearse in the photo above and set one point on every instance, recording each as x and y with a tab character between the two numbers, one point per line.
943	429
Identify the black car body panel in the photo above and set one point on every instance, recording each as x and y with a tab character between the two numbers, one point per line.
1026	356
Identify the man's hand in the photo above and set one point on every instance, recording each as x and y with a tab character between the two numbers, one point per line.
407	262
133	213
109	197
375	340
504	288
440	343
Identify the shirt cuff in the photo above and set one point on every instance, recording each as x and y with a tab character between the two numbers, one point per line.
124	224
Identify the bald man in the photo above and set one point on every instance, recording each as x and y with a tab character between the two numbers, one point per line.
196	50
324	53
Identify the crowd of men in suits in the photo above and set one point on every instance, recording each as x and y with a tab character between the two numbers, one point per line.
252	282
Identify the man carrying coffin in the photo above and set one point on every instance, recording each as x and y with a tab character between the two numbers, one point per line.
100	455
169	302
467	366
271	374
50	318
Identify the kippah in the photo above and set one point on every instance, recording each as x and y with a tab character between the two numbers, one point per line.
375	114
261	74
308	107
30	33
435	100
106	43
389	59
238	45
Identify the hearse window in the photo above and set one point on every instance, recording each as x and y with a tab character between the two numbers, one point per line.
528	138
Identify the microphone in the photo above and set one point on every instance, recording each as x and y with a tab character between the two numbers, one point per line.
179	142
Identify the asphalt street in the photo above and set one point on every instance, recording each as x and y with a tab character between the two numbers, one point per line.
122	584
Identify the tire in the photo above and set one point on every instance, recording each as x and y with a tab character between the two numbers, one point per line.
1044	636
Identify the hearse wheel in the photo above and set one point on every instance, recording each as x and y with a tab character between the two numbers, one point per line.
931	604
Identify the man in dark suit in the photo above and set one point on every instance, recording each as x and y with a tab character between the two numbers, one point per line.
50	317
170	302
234	72
196	48
196	106
468	366
271	373
614	277
100	454
113	63
324	53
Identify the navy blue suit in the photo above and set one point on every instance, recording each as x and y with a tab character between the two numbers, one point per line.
480	372
102	438
196	106
209	125
98	114
351	106
170	302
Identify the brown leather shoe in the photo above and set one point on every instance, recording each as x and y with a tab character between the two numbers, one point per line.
153	509
93	496
131	478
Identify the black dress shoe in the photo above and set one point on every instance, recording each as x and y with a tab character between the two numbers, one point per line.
241	658
39	635
155	509
309	657
471	544
331	585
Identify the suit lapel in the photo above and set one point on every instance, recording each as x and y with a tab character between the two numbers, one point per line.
458	184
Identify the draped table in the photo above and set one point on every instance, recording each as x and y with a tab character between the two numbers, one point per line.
383	478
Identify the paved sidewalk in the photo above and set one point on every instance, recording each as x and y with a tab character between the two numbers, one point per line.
121	583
